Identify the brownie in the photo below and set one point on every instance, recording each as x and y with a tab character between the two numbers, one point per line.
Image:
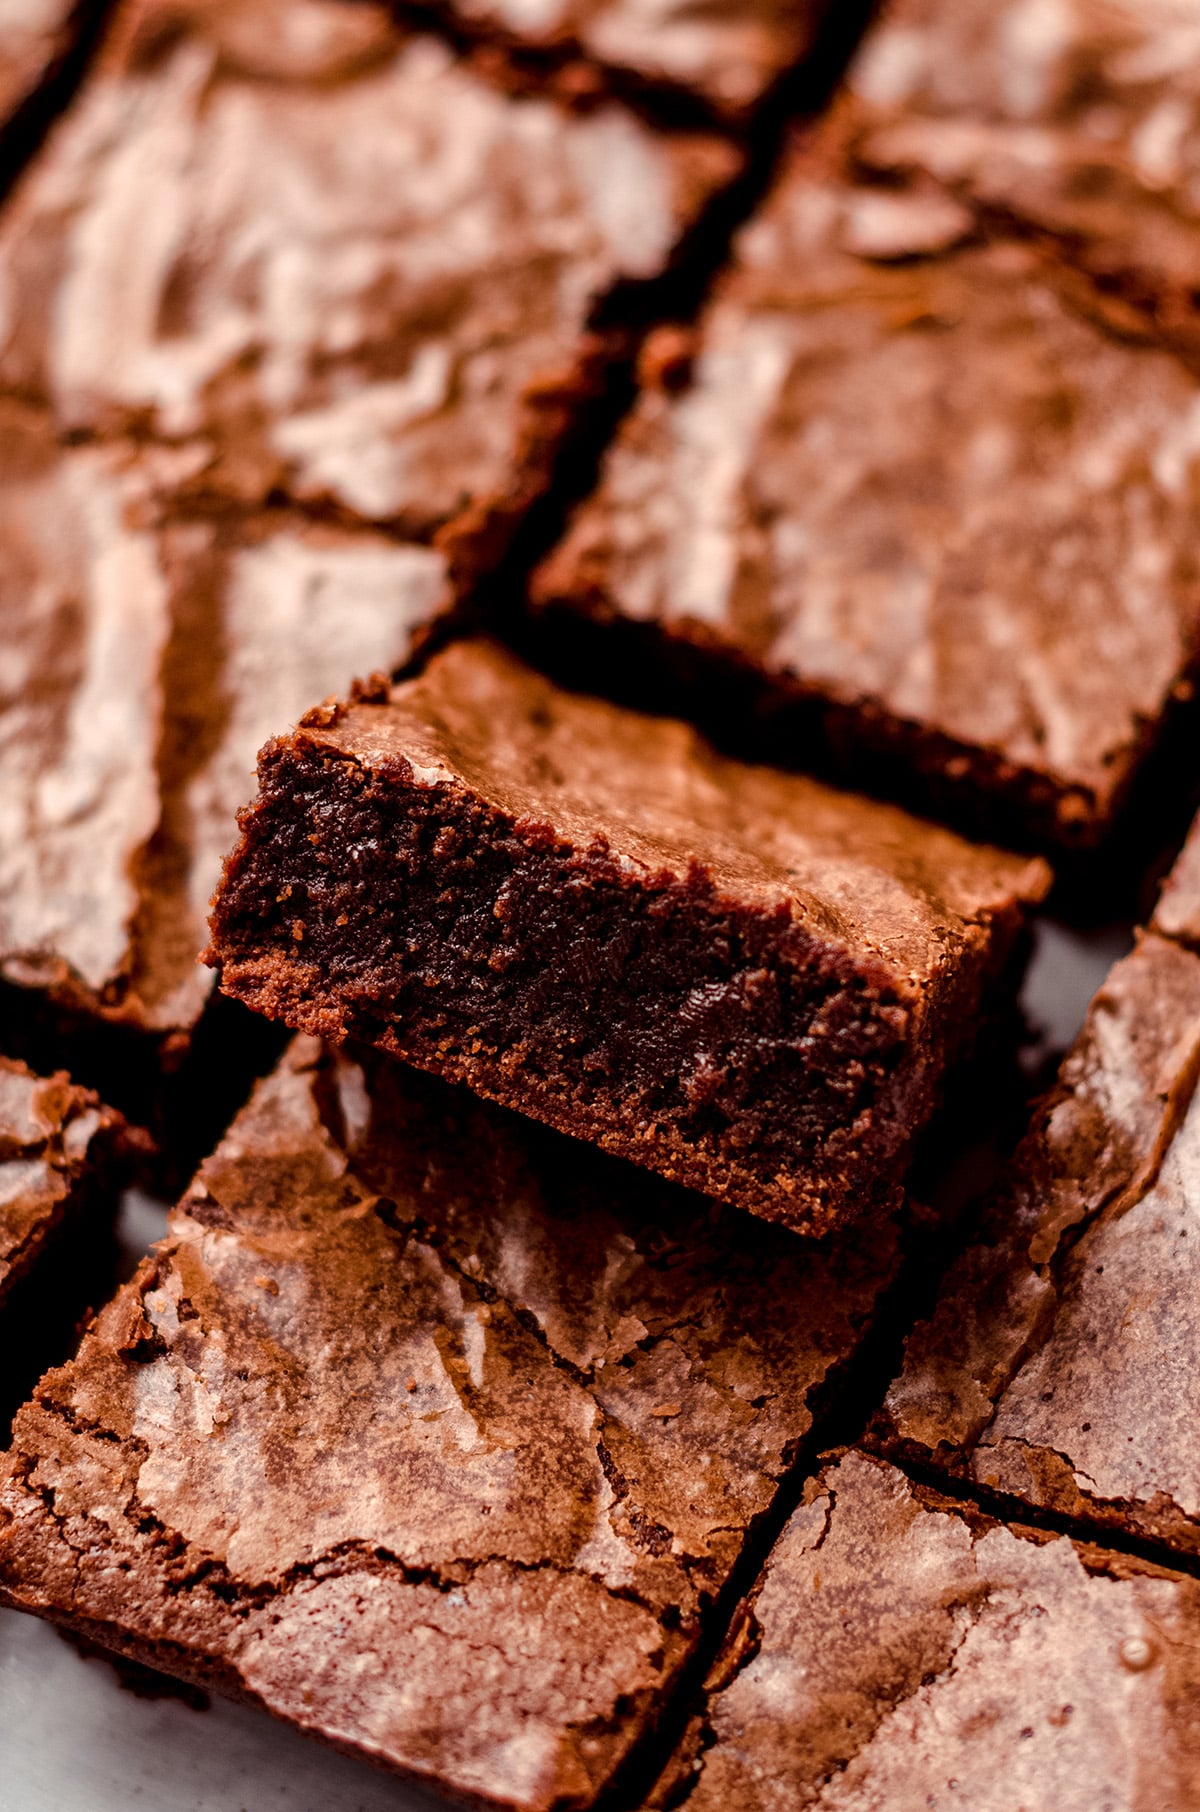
739	978
725	56
920	495
343	262
36	36
57	1151
1057	1365
901	1651
149	650
1178	911
428	1430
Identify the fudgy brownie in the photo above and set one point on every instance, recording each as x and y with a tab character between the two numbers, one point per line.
149	650
57	1145
737	977
901	1651
924	493
726	55
1058	1364
372	274
428	1430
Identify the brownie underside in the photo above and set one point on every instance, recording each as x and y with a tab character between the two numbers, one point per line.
714	1040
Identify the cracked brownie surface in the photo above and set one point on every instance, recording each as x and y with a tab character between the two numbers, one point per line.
727	54
422	1435
738	977
56	1143
150	651
902	1652
1057	1365
369	275
925	488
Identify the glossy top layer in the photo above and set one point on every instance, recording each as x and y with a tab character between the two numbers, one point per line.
340	258
147	653
902	1651
428	1437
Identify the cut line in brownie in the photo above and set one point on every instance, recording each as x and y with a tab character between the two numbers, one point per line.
918	492
430	1431
1057	1365
373	278
903	1651
726	57
737	977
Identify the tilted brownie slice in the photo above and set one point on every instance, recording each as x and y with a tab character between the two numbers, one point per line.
1058	1364
726	55
373	274
902	1651
428	1430
922	495
737	977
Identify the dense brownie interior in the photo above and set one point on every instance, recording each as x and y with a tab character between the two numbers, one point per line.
740	978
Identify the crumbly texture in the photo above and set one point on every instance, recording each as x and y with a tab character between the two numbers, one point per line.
737	977
425	1435
371	274
725	55
150	650
1056	1366
901	1652
57	1146
926	488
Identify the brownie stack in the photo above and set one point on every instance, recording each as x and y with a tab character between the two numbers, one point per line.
695	517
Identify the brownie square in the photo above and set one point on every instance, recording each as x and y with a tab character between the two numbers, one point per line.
370	276
726	56
150	649
1058	1364
428	1430
740	978
57	1152
923	494
900	1650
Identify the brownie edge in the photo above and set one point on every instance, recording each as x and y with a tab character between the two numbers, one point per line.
739	978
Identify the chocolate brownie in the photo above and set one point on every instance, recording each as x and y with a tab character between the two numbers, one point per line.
428	1430
740	978
921	494
148	652
1178	911
725	55
35	37
345	263
57	1146
1057	1365
901	1651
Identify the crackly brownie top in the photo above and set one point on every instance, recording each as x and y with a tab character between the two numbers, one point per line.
1076	116
426	1434
327	247
33	35
47	1131
147	655
1058	1357
904	1653
909	469
652	792
728	53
